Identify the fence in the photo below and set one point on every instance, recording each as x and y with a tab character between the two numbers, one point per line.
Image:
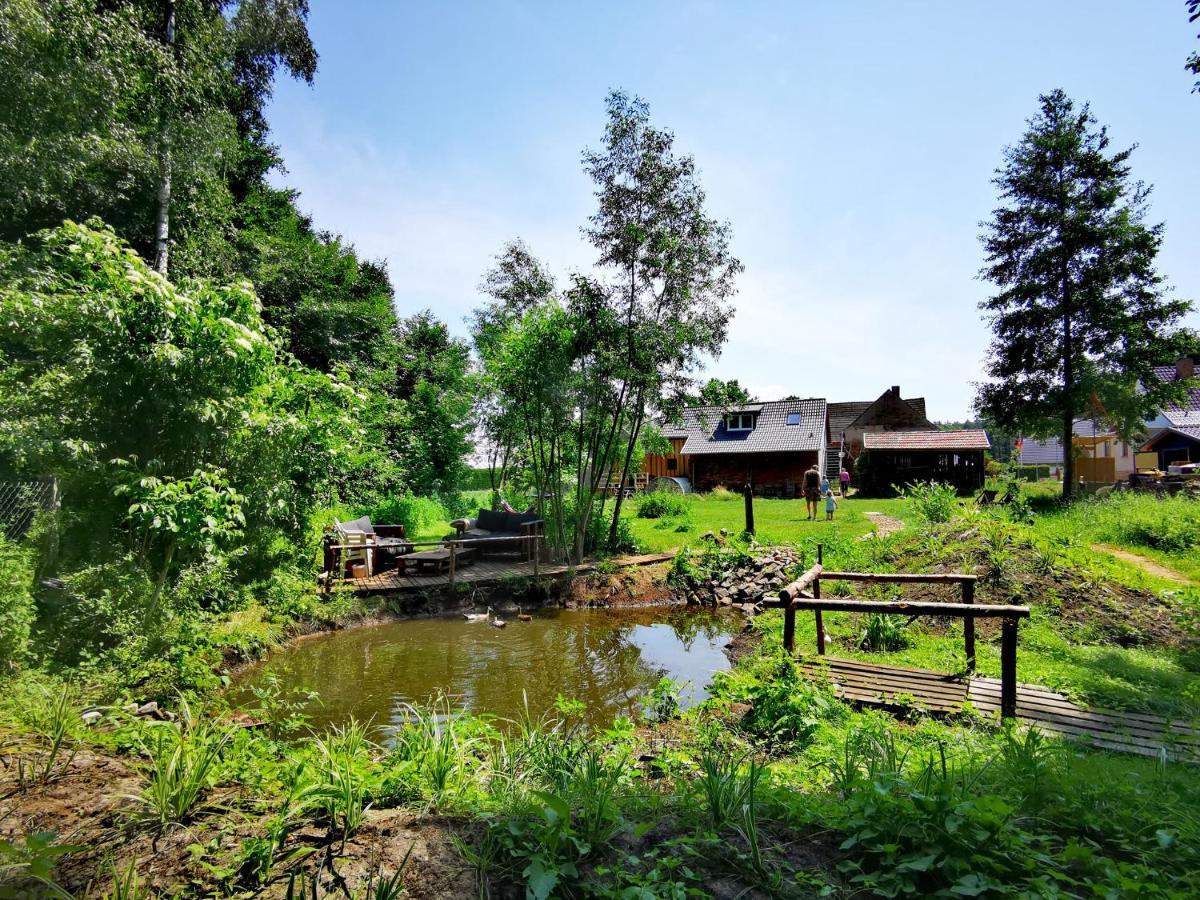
21	501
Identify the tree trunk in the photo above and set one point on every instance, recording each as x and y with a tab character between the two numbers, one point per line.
162	220
633	436
1068	422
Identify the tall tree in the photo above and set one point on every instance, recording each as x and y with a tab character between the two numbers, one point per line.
1080	315
671	269
1193	61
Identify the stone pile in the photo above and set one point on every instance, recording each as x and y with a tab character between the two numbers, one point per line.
748	584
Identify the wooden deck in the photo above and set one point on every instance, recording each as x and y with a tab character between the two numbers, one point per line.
484	571
874	684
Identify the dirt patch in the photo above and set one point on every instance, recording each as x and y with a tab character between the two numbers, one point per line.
632	587
1148	566
884	524
91	805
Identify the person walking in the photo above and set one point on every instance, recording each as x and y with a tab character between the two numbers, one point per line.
812	491
830	506
844	478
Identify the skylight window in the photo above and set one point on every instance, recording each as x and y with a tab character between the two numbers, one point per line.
794	418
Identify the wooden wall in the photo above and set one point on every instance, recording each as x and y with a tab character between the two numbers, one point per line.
773	474
659	466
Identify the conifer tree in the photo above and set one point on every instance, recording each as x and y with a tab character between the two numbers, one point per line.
1080	316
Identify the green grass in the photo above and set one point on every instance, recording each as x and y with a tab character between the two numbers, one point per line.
776	521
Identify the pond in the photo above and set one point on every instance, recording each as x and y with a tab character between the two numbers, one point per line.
608	659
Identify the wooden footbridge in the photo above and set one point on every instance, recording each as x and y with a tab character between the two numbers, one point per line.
902	688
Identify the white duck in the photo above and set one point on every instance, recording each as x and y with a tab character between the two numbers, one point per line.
478	617
496	622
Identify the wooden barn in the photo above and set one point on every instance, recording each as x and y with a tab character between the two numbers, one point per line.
767	445
900	457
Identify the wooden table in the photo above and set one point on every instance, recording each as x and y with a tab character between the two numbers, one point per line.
437	561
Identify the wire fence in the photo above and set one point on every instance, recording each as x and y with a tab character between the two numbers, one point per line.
21	501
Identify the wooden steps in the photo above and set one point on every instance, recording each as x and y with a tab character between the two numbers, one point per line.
875	684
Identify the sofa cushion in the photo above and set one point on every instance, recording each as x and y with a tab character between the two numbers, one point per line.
492	520
514	521
361	525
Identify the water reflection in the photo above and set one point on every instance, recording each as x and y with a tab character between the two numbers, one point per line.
605	658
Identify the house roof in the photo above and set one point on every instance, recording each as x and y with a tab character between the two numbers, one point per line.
1185	415
1191	432
706	433
968	439
843	415
1035	452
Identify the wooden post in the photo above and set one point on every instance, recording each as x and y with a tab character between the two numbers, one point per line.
968	596
452	561
1008	669
748	494
537	554
789	628
816	586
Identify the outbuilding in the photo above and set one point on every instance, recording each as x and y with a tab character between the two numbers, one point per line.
896	458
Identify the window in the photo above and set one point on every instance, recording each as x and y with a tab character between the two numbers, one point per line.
672	464
794	418
740	422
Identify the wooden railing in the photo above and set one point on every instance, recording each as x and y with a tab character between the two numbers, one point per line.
805	593
531	547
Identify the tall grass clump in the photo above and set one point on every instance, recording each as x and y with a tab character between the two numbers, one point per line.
1170	524
183	759
344	773
932	502
52	714
17	608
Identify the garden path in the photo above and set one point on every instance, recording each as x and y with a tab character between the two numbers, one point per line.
1146	565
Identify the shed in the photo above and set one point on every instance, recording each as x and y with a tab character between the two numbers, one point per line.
896	458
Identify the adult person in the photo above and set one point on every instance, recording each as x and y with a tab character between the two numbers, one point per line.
812	490
844	478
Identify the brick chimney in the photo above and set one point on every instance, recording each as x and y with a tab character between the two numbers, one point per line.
1185	367
896	389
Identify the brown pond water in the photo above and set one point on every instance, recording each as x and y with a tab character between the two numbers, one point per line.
606	658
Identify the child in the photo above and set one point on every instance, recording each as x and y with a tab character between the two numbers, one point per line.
830	505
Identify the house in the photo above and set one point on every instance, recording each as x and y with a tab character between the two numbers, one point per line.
900	457
766	445
1100	454
850	421
1175	432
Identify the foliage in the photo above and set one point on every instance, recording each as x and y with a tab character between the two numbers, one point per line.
416	514
660	504
51	713
183	759
17	609
662	703
883	632
1081	316
33	860
932	501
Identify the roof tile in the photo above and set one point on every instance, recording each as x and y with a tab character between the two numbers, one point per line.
969	439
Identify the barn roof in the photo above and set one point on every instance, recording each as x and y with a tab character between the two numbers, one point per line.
704	428
844	414
967	439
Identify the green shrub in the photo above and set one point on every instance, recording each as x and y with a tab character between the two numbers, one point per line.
931	501
883	633
17	610
416	514
661	504
720	492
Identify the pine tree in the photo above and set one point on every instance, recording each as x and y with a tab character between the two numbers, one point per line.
1081	315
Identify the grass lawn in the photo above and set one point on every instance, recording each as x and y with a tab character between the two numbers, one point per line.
776	521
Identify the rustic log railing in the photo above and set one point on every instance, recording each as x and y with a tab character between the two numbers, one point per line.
805	593
532	546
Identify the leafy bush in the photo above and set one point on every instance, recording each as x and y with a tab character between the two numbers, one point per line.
660	504
416	514
17	610
932	502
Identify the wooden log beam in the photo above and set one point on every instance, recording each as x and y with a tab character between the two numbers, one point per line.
901	577
801	584
1008	669
914	608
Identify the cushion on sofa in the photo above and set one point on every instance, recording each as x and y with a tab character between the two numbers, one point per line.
514	521
492	520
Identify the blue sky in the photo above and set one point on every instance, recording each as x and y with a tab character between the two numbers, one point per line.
851	146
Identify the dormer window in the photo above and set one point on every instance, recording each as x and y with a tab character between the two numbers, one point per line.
740	422
793	418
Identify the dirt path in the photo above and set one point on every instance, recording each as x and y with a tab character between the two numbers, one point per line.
1146	565
884	524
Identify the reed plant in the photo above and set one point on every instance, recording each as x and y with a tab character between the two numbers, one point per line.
183	758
